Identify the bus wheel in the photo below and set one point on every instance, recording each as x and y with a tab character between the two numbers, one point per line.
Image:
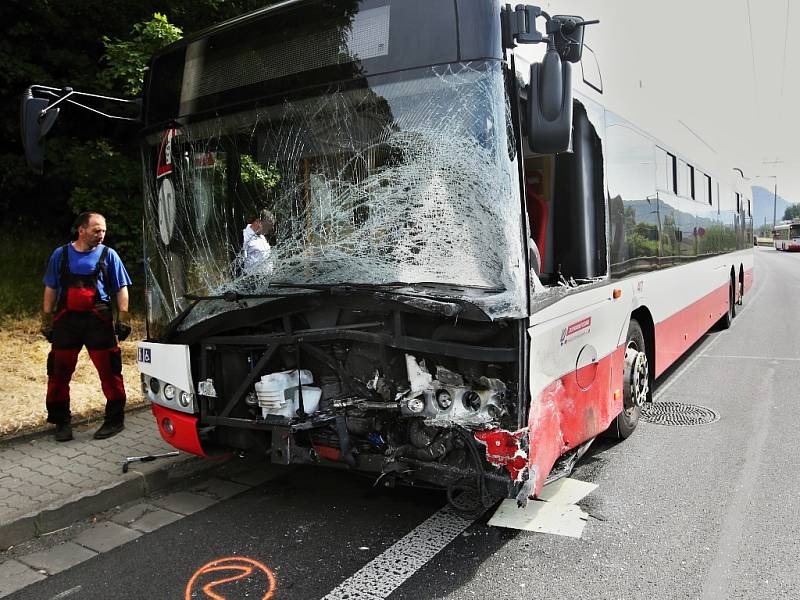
741	287
727	318
636	385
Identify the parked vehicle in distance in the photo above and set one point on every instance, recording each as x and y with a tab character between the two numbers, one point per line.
786	236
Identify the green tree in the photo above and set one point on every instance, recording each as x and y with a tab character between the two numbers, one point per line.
126	60
792	212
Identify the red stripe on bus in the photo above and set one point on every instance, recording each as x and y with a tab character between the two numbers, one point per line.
677	333
564	415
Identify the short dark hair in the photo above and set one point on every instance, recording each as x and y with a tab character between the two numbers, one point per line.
264	215
82	220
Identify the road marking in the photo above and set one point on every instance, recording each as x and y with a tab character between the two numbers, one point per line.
387	571
242	568
749	357
67	593
668	384
720	573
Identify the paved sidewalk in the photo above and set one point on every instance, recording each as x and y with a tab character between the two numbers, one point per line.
45	485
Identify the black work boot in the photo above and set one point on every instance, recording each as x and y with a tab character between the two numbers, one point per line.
63	432
109	429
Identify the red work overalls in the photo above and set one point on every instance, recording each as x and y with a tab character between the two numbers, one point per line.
83	319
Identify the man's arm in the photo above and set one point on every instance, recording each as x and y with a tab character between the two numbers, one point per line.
122	299
48	306
49	302
123	326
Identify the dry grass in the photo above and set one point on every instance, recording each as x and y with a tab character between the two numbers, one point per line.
23	386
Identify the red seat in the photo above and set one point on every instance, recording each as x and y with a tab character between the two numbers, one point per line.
537	217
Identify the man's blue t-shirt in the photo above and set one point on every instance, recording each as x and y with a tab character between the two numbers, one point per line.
83	263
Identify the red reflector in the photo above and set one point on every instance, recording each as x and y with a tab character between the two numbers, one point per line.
328	453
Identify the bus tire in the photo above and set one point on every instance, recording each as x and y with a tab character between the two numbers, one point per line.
637	383
741	286
727	318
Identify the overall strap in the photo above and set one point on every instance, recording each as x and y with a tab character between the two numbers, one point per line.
100	267
64	271
63	277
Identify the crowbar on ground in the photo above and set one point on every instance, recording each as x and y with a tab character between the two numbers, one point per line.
147	458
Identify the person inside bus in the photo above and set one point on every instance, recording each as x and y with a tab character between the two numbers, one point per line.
255	247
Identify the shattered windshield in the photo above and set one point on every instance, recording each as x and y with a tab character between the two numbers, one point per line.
409	178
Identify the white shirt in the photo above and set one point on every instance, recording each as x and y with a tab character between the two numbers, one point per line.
256	248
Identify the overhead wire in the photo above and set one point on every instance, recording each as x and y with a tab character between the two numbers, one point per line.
785	46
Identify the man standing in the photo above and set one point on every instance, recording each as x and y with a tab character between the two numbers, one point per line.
255	246
80	279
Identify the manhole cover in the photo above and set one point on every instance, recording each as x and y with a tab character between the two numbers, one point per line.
675	413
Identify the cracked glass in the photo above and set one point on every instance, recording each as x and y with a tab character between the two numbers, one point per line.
408	177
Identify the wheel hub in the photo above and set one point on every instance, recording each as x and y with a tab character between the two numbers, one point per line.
637	377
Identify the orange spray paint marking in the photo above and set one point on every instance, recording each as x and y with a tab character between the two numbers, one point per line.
241	566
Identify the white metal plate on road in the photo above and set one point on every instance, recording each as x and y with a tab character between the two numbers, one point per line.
555	512
541	517
567	491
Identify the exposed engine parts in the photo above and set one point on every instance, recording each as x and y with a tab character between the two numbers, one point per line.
359	398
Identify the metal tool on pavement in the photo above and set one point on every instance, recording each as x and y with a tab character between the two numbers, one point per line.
147	458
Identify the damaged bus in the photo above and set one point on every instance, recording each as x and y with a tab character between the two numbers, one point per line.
473	270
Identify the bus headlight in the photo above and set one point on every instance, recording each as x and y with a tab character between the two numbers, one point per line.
416	405
169	391
471	400
185	399
444	399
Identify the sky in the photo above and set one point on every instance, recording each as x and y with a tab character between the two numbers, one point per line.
720	75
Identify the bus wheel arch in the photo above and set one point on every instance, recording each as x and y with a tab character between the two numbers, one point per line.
638	373
642	316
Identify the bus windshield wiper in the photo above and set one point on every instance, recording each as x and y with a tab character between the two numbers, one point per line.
352	287
232	296
341	288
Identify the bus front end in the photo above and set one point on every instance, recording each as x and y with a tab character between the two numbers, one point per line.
384	328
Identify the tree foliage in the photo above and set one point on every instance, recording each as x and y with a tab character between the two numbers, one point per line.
792	212
126	60
92	46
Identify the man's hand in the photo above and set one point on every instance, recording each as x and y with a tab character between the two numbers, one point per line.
47	326
122	327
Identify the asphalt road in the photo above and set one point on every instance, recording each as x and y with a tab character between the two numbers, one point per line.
681	512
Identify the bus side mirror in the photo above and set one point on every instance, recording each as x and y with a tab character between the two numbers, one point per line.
550	104
34	125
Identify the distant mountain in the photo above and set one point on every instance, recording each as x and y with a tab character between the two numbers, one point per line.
763	205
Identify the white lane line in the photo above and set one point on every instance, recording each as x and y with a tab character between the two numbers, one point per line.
722	572
67	593
667	384
749	357
387	571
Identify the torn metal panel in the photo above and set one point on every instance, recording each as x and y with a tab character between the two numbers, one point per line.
555	512
565	414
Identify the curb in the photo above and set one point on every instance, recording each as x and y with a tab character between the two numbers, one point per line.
44	430
66	512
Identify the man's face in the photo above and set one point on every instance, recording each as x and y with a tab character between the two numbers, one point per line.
94	233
